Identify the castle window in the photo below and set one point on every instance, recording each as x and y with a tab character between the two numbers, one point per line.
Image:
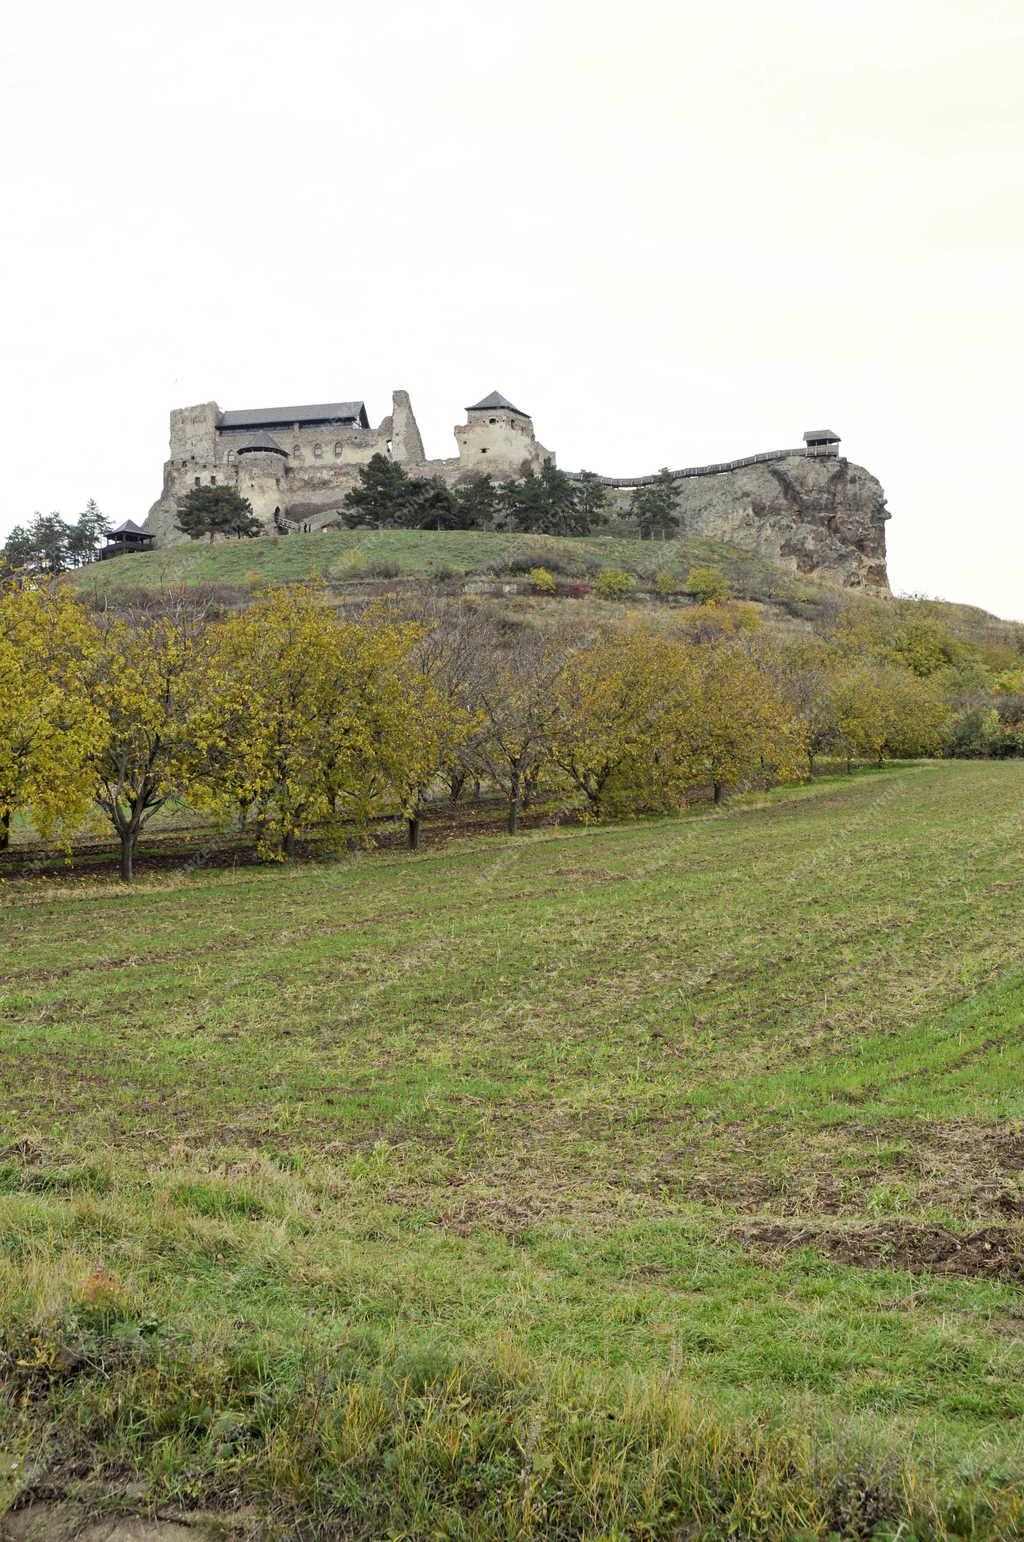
232	457
337	448
199	481
492	420
318	450
296	449
483	451
213	481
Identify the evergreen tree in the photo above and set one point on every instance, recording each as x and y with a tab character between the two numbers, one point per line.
88	533
524	504
591	499
477	504
653	506
214	511
547	504
429	505
382	497
51	539
19	549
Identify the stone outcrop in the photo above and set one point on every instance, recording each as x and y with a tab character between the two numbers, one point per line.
821	516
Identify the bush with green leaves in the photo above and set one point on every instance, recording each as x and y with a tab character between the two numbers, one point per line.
615	584
708	585
542	581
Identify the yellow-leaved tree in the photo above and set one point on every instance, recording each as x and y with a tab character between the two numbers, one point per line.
429	719
514	689
304	718
49	723
887	710
146	674
618	700
736	725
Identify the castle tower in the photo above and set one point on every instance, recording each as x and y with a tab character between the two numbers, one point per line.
262	467
498	439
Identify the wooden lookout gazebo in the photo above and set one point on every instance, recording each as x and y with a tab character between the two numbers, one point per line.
127	537
821	441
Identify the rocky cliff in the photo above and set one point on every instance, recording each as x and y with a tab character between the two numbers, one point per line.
824	516
819	515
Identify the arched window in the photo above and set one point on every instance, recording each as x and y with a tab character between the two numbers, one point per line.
232	457
296	449
337	449
318	450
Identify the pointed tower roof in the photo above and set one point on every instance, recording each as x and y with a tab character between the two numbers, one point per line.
129	527
497	400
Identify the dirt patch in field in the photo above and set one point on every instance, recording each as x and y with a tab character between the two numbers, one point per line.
993	1252
59	1523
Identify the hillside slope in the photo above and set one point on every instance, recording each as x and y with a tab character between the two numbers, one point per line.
350	560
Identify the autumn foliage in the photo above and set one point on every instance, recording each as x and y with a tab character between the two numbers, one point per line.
288	718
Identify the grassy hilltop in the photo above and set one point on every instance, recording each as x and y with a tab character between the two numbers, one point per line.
349	561
647	1181
347	555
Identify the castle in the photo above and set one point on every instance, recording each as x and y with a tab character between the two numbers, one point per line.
806	507
295	464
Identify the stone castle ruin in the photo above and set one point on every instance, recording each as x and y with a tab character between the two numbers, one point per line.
808	508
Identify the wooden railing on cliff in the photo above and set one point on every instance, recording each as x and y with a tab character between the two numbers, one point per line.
814	453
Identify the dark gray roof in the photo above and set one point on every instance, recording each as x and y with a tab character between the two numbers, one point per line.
131	528
323	412
816	435
261	441
496	400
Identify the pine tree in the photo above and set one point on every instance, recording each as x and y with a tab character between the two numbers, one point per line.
214	511
382	496
653	506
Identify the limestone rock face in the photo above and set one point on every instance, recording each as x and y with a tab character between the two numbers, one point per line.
822	516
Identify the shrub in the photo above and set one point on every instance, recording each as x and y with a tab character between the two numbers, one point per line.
525	563
615	584
382	570
542	581
664	583
574	589
709	586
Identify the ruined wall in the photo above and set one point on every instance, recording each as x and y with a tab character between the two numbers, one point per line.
193	432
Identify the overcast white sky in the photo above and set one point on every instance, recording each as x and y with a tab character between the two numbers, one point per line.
673	232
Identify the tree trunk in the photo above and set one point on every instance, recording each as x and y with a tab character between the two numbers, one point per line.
5	829
810	765
128	838
289	845
455	785
717	789
513	814
412	825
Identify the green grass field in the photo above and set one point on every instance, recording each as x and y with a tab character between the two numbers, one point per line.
341	556
660	1180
